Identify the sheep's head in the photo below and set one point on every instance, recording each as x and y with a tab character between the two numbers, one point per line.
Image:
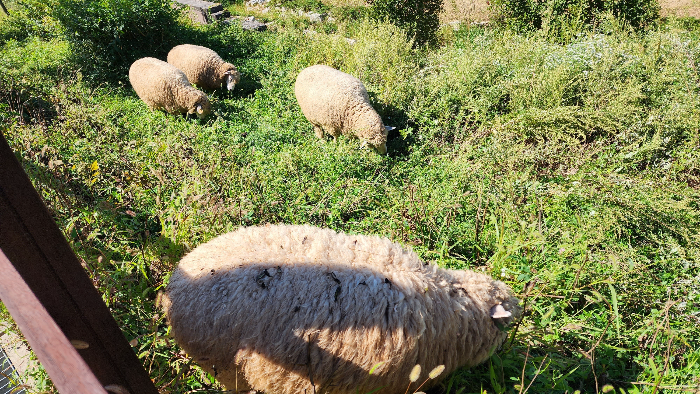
231	76
493	298
201	106
496	296
373	132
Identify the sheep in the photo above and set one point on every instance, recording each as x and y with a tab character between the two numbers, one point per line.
204	67
290	309
162	86
337	103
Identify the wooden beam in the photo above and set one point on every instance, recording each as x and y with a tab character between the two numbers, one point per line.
67	369
42	257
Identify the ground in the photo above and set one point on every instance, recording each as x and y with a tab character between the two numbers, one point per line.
681	8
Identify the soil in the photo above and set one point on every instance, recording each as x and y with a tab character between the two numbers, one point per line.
680	8
477	10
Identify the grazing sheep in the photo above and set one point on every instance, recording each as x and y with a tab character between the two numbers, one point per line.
204	67
162	86
337	103
291	309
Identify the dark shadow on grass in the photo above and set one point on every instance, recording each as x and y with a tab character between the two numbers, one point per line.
228	40
399	141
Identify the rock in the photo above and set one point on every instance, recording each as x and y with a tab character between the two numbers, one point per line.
205	12
455	24
316	17
250	23
253	3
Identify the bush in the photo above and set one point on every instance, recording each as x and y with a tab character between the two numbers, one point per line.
117	32
561	15
420	18
306	5
28	18
350	13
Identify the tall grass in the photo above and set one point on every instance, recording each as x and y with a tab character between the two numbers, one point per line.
569	171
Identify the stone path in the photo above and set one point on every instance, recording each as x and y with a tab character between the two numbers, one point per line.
18	354
205	12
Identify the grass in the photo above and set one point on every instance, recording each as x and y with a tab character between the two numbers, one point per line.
571	172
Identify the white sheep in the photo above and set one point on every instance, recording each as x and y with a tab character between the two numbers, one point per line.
337	103
204	67
162	86
291	309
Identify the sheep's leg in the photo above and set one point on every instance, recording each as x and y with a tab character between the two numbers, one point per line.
318	131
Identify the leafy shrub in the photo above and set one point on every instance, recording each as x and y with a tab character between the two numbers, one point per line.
564	14
350	13
117	32
306	5
28	18
420	18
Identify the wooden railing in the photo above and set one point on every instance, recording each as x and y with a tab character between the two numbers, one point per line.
52	299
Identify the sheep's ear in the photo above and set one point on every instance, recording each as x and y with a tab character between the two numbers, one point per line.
499	312
389	128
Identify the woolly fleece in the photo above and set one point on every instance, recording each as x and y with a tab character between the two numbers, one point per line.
162	86
282	308
337	103
203	67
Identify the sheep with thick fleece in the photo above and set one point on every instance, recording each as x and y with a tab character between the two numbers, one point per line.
290	309
162	86
337	103
204	67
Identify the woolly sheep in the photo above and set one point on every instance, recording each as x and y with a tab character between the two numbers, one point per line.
290	309
204	67
337	103
162	86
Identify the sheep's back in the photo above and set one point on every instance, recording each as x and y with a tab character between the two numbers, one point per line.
201	65
328	96
271	295
288	305
157	83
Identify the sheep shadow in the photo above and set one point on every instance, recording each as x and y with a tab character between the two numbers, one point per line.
399	142
327	325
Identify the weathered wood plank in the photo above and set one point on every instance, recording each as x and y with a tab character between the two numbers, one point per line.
37	249
67	369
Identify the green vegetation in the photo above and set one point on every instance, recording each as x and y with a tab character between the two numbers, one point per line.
419	18
568	168
112	34
562	15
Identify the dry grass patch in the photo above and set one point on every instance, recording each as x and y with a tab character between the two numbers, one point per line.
680	8
465	10
454	10
477	10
